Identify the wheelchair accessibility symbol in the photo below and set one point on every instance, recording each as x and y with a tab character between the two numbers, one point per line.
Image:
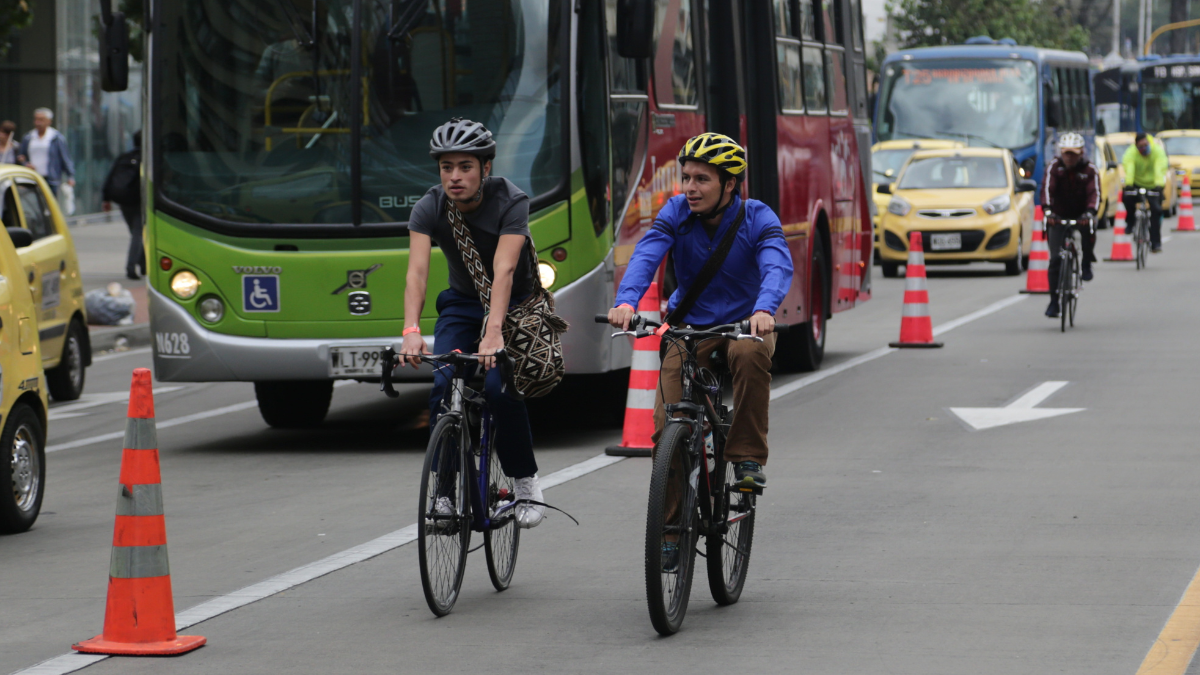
260	293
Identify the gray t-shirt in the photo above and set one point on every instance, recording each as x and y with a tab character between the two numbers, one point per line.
505	210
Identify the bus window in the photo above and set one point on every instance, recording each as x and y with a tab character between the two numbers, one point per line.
593	113
675	62
791	95
835	31
786	21
807	20
1085	98
628	123
835	72
856	27
814	80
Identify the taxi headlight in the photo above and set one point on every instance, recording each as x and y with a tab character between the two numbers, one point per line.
899	206
212	309
547	274
997	205
185	284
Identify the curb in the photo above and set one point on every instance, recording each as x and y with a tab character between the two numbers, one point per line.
104	338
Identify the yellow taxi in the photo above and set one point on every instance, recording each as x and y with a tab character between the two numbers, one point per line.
52	270
886	159
1120	142
22	394
970	205
1183	151
1111	173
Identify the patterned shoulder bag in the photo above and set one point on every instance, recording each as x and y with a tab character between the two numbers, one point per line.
532	331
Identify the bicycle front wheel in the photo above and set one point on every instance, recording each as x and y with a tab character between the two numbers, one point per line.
671	518
728	553
1064	291
503	536
444	517
1076	284
1142	241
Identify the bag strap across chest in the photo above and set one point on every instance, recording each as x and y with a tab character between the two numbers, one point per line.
708	272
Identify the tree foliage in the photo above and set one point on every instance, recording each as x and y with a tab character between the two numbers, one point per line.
14	15
1037	23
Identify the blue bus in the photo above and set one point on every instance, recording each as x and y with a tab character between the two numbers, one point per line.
987	93
1151	94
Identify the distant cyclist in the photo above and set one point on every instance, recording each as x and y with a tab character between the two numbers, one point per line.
497	215
749	285
1145	165
1070	191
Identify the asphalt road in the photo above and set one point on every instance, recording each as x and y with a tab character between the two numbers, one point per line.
892	538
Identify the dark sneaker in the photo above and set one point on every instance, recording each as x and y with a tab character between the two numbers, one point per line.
670	557
1052	310
749	474
1087	273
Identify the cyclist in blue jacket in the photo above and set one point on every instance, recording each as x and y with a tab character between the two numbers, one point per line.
750	284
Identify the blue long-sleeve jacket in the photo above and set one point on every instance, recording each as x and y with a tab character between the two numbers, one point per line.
756	275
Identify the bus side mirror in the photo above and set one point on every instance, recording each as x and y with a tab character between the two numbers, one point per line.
884	188
20	236
114	49
1026	185
635	28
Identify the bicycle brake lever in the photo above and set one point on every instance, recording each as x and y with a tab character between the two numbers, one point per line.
389	364
747	336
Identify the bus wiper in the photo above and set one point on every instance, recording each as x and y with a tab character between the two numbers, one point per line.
978	138
303	37
406	20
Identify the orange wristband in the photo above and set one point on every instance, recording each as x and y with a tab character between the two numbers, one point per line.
410	329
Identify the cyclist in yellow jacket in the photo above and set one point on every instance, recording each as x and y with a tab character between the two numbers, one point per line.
1145	165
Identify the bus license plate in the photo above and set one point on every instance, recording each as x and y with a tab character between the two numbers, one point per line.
950	241
350	361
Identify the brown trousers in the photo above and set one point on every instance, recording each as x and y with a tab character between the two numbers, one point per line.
750	364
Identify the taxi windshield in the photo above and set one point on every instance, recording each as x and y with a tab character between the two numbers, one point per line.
1182	145
886	163
954	172
1119	149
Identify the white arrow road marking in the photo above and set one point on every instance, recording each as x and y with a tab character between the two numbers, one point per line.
1020	410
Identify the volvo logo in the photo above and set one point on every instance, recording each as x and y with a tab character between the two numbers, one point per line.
357	279
256	269
360	303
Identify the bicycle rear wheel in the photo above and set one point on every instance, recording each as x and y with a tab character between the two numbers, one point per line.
501	539
671	515
1076	284
1142	241
444	534
1064	290
728	555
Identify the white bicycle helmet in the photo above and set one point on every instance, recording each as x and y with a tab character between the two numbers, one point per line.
462	135
1070	141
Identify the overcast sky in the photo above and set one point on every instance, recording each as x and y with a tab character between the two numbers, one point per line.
874	15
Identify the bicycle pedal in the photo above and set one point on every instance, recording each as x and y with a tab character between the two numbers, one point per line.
749	490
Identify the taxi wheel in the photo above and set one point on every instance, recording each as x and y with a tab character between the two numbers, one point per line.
294	404
891	270
66	380
1015	266
23	470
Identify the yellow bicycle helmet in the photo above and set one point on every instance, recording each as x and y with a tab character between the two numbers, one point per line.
721	151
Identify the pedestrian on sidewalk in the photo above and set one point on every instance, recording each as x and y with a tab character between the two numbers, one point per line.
45	150
8	146
123	187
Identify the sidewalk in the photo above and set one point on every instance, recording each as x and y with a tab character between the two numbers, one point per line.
101	247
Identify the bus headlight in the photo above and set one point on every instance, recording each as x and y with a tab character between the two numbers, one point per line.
185	284
997	205
211	309
899	206
547	273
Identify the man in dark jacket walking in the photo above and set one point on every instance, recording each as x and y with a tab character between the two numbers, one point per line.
123	187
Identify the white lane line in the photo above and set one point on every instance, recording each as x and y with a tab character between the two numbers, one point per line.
68	663
71	662
94	400
784	390
165	424
117	355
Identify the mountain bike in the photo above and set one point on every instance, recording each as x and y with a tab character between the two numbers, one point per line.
1069	275
692	490
1141	227
463	489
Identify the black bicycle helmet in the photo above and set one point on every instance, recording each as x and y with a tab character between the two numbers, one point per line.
463	135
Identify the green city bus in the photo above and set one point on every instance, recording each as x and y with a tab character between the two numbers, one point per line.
288	142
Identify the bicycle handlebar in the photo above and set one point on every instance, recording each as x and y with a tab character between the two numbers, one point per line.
732	331
1136	192
391	361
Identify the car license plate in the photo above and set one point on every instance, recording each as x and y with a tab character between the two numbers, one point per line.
352	361
949	241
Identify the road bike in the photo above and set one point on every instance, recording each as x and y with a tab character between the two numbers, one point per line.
1070	278
463	489
692	490
1141	227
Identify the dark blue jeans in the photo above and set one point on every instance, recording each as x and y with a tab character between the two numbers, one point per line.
459	326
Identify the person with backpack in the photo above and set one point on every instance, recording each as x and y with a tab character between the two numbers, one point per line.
710	218
123	187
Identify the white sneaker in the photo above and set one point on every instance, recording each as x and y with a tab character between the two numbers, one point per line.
442	507
529	515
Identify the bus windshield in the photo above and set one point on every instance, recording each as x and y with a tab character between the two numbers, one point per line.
255	102
984	102
1170	104
954	172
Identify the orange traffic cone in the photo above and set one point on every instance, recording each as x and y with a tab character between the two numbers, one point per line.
643	380
139	618
1037	277
1122	246
916	328
1186	222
